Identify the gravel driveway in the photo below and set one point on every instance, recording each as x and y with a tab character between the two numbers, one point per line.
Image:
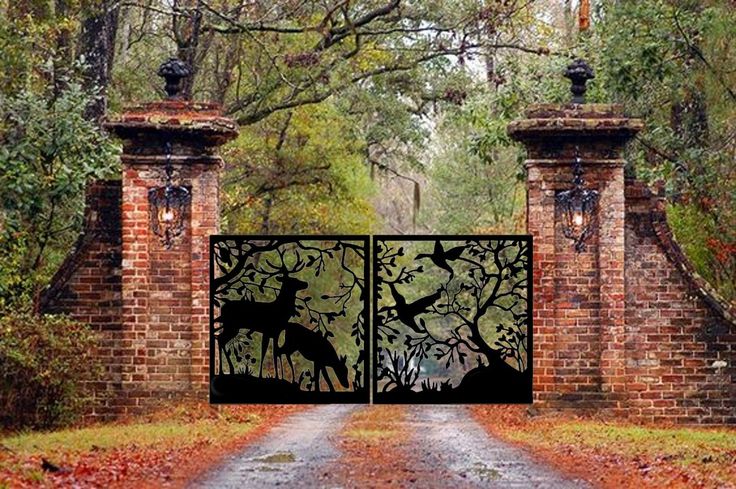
444	441
449	437
294	454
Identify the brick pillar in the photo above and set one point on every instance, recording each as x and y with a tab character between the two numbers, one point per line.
578	297
165	308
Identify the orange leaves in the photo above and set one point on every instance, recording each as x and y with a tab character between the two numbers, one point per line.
723	251
618	454
172	460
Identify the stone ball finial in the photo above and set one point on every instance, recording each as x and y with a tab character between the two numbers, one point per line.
173	71
579	73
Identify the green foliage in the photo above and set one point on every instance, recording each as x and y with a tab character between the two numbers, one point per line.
695	231
46	368
423	91
48	152
299	173
476	174
666	62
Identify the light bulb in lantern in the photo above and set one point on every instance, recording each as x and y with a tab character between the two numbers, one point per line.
168	215
577	219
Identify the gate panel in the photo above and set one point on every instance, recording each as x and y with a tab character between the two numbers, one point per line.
288	319
452	319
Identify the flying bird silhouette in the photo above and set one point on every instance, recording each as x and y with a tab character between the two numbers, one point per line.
407	312
440	257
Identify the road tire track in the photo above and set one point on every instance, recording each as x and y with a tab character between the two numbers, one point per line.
295	453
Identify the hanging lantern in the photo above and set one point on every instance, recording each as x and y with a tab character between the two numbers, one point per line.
578	208
168	206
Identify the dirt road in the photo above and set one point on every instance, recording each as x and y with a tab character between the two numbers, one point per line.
442	446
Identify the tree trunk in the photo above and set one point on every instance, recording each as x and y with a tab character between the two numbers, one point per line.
584	15
569	23
97	47
187	26
266	216
62	56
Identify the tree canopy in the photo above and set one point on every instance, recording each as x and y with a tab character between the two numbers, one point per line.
361	116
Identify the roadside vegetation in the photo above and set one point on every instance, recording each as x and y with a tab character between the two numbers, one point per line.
615	454
172	447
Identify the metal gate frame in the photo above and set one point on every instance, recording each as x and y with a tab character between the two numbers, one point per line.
515	387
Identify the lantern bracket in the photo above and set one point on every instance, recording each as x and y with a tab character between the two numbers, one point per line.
578	207
168	205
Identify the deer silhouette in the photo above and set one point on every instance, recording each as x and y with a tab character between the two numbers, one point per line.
267	318
315	347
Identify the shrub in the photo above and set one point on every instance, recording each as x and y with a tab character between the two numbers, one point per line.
46	370
49	152
711	250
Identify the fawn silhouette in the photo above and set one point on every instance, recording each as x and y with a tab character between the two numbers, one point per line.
315	347
407	312
267	318
440	257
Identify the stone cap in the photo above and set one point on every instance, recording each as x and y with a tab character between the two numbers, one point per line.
555	121
195	122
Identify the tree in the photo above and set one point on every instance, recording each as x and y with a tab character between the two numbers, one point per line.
667	63
286	55
97	35
48	152
298	172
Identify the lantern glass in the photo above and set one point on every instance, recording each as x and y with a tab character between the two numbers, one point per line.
578	219
578	208
168	209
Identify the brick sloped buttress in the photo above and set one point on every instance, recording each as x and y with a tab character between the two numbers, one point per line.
88	285
680	335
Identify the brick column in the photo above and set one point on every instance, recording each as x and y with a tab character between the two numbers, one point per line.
165	324
578	297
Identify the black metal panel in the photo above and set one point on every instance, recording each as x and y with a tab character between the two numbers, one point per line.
288	319
452	319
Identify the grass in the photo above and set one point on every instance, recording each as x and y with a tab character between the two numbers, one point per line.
683	446
170	447
621	454
112	436
370	434
366	425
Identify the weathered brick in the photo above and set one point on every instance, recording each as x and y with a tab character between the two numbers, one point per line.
147	321
615	314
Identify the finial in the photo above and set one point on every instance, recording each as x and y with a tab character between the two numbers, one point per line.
173	71
579	73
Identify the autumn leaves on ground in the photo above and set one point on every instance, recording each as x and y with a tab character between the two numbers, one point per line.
180	443
168	448
617	454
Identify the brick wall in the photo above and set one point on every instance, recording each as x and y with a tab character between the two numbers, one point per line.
578	296
165	299
148	302
88	285
680	338
625	327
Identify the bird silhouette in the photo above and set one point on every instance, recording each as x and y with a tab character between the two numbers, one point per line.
407	312
440	257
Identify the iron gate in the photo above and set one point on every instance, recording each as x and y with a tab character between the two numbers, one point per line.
451	319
